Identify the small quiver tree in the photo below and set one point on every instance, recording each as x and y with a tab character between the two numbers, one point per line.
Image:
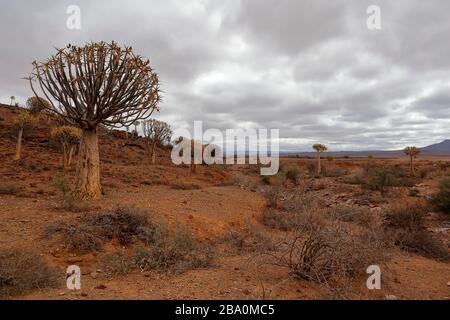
155	133
23	121
412	152
319	149
69	137
99	83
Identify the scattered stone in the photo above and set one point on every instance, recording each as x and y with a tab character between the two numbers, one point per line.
391	297
94	275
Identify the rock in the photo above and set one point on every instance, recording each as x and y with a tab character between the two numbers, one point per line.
62	293
448	284
391	297
100	287
94	275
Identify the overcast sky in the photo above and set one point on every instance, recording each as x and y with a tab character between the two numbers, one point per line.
309	68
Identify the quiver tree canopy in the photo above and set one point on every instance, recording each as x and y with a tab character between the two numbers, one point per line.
98	84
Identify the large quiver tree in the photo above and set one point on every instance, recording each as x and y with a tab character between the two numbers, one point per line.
99	83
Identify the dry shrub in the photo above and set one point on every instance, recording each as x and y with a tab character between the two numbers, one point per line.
442	198
10	189
406	215
276	180
121	224
185	186
91	231
360	216
22	271
176	252
334	171
323	253
117	263
280	220
273	195
77	237
292	173
249	239
405	225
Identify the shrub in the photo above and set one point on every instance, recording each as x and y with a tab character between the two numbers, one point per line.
292	174
272	195
174	253
275	180
360	216
335	172
91	231
406	216
60	182
185	186
404	224
10	189
22	271
250	238
421	242
117	263
278	219
442	199
121	224
319	253
77	237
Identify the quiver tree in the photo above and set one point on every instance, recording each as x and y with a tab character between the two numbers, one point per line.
319	148
13	98
69	137
37	105
155	133
99	83
23	120
412	152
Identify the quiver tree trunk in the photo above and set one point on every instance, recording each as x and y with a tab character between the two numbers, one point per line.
411	164
319	165
70	154
154	152
64	155
18	153
88	167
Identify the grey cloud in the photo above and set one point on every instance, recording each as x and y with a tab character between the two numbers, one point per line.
309	68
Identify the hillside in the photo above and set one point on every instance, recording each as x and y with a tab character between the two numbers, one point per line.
442	148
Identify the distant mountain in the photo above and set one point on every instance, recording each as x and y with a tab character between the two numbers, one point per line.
441	148
438	149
